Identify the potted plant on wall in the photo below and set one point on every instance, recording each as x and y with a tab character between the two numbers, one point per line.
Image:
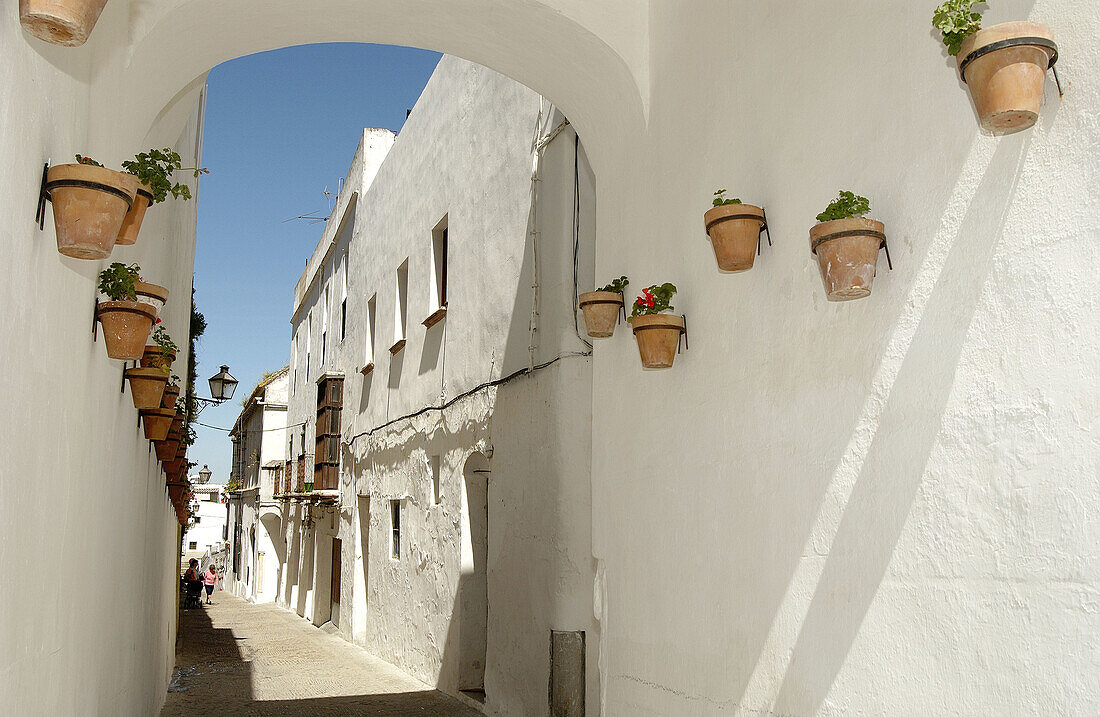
1004	66
161	353
601	308
146	386
89	205
153	170
847	247
126	321
157	422
171	392
657	332
60	22
734	230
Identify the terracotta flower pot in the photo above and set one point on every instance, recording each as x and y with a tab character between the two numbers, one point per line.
166	450
126	327
60	22
152	294
156	422
153	357
847	253
734	231
601	312
171	393
658	337
146	386
89	204
131	225
1007	84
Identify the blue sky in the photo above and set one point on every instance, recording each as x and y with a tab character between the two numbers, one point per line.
281	126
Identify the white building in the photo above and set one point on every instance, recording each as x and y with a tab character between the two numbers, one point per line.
438	281
207	531
881	507
259	449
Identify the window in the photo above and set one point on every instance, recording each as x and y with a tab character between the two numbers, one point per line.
293	360
326	453
344	298
309	337
433	466
324	327
437	298
400	308
193	545
197	518
395	519
368	353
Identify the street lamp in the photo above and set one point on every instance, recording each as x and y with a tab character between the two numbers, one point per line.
204	474
222	385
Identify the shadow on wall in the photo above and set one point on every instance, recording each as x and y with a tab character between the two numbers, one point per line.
881	499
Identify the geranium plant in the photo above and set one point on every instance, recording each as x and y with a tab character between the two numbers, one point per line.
847	204
155	169
957	20
81	159
721	201
617	286
654	300
117	281
168	348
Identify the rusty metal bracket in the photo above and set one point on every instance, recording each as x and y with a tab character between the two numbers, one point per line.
43	197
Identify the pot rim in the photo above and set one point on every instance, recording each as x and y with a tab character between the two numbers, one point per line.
726	212
846	227
89	176
1005	31
657	321
145	288
146	374
133	307
600	297
158	412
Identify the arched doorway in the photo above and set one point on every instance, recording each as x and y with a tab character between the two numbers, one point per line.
473	591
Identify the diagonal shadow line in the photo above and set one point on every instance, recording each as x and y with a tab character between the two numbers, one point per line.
879	504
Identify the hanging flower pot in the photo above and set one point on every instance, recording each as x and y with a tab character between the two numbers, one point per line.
60	22
171	393
155	357
152	294
601	308
166	450
657	333
1007	83
89	204
1004	66
153	171
847	247
156	422
734	230
146	386
176	491
126	326
131	225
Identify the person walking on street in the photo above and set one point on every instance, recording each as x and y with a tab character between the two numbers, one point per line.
210	579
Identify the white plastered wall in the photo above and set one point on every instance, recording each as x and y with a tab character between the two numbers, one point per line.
888	506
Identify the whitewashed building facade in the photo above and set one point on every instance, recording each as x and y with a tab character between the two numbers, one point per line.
259	447
444	397
207	530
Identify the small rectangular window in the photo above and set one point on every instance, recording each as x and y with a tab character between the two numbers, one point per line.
437	293
344	298
193	545
197	518
309	339
324	327
395	518
400	307
368	353
433	465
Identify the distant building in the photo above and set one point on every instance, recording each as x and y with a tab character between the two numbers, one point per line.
207	531
259	449
441	399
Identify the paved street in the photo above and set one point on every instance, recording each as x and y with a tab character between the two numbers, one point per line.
234	658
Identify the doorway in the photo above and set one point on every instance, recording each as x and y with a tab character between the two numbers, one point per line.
473	586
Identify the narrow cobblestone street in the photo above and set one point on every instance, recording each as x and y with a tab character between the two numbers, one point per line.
235	658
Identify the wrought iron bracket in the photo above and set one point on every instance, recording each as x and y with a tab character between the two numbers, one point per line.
43	197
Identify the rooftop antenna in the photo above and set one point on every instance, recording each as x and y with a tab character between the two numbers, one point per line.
313	217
